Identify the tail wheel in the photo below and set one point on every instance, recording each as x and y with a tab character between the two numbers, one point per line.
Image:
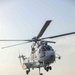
50	67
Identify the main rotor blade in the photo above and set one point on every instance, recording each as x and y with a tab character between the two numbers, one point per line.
58	35
15	40
44	28
49	41
14	45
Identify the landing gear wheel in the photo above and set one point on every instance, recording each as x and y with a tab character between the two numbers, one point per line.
27	72
41	73
47	69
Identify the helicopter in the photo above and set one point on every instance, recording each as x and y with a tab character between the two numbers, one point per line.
42	54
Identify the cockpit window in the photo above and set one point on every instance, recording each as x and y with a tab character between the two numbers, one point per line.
48	47
45	48
42	49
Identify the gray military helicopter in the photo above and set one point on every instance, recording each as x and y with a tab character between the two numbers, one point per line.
42	54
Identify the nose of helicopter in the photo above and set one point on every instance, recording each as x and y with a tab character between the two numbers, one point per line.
50	53
50	56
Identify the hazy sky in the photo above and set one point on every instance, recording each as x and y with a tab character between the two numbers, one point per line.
23	19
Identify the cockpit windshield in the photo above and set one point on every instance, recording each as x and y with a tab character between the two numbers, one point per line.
47	48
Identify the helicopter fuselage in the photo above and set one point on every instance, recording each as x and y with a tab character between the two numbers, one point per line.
42	55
